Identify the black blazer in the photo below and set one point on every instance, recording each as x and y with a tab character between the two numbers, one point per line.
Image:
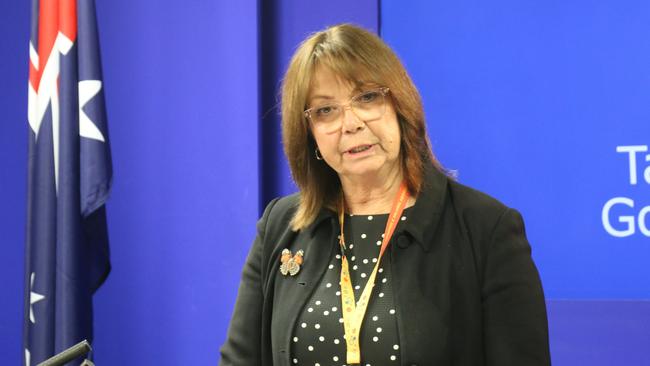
466	289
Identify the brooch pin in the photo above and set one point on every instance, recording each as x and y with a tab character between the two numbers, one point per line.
290	263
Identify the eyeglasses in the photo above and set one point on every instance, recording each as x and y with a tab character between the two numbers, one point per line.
367	106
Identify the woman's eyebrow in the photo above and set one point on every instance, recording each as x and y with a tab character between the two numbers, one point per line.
322	97
353	93
316	97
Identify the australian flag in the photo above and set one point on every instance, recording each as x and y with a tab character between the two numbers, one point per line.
69	178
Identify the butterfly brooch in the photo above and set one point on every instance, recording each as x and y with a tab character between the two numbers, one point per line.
290	264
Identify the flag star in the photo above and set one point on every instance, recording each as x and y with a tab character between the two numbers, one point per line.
88	89
33	298
28	357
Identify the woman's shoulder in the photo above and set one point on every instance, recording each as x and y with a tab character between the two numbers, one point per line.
277	215
479	211
468	199
279	211
489	225
444	187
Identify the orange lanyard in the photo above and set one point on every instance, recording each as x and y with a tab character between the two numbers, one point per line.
353	313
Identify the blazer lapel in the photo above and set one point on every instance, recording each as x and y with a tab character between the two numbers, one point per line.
420	266
291	293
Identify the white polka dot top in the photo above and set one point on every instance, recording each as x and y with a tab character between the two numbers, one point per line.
318	339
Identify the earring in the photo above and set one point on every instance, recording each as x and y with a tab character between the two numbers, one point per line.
318	155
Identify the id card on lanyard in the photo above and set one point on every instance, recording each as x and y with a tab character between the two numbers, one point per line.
354	312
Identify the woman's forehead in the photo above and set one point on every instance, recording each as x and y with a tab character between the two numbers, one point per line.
325	79
326	82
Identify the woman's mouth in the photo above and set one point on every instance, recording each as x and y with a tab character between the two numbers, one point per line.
359	149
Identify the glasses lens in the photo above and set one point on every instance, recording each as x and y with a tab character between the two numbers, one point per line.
325	114
369	106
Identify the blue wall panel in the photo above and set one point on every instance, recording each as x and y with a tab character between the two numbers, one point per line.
529	101
599	332
14	68
181	90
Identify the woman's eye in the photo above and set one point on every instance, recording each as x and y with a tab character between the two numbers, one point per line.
368	97
324	111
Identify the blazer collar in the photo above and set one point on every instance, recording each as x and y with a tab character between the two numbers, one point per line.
424	215
322	217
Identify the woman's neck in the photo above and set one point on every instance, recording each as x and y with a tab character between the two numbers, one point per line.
371	195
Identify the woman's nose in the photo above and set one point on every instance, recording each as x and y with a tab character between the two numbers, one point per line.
351	122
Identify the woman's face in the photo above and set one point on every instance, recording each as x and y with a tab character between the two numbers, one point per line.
357	148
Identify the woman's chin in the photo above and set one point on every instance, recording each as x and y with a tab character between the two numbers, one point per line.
366	169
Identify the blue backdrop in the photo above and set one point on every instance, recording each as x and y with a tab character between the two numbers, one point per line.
14	47
528	101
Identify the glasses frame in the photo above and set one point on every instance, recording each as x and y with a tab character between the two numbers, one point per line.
382	90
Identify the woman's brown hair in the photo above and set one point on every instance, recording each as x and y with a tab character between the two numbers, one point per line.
361	58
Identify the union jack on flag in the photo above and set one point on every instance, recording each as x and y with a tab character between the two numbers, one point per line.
69	178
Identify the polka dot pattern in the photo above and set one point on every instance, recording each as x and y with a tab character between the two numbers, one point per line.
319	337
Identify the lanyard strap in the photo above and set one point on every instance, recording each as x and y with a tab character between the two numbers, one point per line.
353	313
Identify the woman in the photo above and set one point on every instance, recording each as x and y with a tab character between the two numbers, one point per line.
381	259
